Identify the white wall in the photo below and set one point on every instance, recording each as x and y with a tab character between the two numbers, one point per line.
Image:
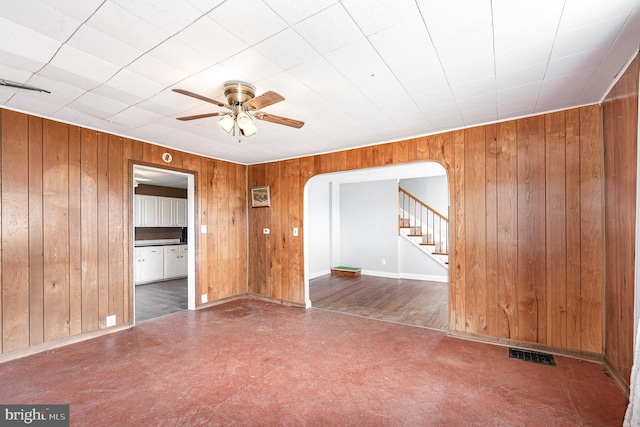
433	191
415	264
369	225
318	227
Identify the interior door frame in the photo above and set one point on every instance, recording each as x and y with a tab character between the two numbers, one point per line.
192	225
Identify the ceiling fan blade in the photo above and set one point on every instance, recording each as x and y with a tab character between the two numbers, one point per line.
264	100
200	116
200	97
279	120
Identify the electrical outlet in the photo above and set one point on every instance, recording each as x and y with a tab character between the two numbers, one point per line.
265	231
384	261
295	231
111	320
203	229
204	298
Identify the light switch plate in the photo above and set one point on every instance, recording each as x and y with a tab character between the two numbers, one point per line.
111	320
203	229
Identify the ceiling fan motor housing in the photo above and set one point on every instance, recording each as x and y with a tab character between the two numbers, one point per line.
238	92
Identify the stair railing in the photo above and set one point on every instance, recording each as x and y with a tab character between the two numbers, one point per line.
422	220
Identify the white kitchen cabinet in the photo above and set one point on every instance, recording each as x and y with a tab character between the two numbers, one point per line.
175	261
179	212
156	211
165	212
149	264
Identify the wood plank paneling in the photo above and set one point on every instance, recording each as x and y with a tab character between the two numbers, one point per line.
36	223
531	287
103	228
75	241
15	231
65	257
116	231
55	204
89	229
620	128
556	249
475	231
591	210
458	241
572	193
491	217
507	227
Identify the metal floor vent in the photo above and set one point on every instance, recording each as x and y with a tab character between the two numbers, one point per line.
532	356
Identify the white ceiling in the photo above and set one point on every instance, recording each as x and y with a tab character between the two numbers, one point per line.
357	72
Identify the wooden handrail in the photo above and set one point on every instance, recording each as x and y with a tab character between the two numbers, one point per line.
423	204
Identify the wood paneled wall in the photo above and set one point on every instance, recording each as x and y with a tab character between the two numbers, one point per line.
620	123
65	210
527	225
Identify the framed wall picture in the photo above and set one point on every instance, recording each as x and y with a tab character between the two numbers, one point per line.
260	197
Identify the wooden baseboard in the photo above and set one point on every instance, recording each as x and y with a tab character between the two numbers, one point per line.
505	342
17	354
615	375
276	300
221	301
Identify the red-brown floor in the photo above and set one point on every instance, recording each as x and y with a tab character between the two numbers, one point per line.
255	363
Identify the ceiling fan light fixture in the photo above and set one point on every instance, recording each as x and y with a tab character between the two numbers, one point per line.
243	120
227	123
249	130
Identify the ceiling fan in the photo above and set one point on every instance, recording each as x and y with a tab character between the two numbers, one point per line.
242	107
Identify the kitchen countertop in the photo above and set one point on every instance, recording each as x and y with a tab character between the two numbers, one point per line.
159	242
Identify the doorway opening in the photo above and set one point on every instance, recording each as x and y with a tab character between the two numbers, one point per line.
352	219
164	243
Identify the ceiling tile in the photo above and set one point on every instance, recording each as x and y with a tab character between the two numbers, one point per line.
83	64
135	84
470	47
525	55
205	6
250	66
521	76
157	70
524	22
40	18
123	25
373	16
97	105
596	36
170	16
122	96
579	13
426	84
475	88
103	46
574	63
58	89
21	41
35	102
286	49
68	77
252	21
447	20
294	11
181	56
14	74
205	36
528	91
80	10
470	71
329	30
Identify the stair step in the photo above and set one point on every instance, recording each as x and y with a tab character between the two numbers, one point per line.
440	253
414	235
427	244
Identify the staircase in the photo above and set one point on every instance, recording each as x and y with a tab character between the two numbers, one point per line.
424	226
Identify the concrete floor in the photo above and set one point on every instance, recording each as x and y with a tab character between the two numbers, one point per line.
255	363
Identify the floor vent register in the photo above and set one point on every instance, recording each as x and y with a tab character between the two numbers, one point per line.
532	356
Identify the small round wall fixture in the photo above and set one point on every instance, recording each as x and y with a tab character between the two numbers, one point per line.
167	157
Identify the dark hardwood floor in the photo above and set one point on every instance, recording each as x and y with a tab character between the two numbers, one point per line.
412	302
160	298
